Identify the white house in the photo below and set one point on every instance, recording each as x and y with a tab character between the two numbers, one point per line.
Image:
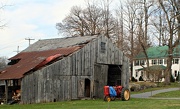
157	58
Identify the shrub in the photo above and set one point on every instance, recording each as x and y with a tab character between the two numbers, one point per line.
177	78
141	79
172	79
133	79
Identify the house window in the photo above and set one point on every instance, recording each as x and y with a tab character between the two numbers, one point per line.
175	61
154	62
136	63
142	73
175	73
139	62
136	74
160	61
142	62
103	47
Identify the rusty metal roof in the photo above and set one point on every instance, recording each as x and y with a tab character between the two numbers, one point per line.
28	61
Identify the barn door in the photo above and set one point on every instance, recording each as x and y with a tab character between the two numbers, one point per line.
97	71
81	88
114	75
87	87
84	88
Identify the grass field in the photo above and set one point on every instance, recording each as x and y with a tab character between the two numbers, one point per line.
100	104
172	94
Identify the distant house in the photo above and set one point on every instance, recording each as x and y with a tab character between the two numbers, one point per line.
66	68
157	60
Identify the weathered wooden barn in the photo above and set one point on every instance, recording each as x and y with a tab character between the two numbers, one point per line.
67	68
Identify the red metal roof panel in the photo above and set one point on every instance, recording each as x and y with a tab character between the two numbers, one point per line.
31	60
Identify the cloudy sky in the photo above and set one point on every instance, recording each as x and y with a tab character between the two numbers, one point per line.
35	19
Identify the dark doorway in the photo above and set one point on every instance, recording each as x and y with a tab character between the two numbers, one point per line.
87	87
114	75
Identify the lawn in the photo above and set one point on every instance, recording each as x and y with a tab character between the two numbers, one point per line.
100	104
172	94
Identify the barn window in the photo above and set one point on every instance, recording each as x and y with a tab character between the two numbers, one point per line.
103	47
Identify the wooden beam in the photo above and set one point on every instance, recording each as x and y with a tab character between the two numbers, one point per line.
6	91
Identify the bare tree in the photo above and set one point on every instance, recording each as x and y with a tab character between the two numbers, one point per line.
147	4
3	63
177	11
119	28
93	16
88	21
159	26
130	11
143	15
73	24
171	11
107	17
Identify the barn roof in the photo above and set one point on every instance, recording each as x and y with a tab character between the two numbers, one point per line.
41	53
31	61
48	44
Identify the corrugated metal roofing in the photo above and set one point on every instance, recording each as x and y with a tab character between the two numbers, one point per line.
30	60
48	44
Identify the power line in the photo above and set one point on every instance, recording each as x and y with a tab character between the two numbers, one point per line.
29	39
10	45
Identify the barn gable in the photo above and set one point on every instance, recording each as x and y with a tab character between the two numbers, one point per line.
82	73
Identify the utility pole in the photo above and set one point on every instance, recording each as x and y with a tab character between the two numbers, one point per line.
29	39
17	50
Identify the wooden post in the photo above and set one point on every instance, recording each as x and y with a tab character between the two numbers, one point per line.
6	91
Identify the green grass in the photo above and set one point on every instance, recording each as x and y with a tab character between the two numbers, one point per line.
100	104
172	94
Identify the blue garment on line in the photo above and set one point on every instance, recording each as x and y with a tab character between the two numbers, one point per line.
112	91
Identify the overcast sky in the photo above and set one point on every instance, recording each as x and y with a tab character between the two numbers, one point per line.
34	19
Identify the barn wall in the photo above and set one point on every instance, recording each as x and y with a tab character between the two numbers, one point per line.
62	80
113	56
125	72
65	79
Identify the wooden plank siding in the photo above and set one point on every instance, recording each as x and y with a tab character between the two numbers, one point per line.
65	79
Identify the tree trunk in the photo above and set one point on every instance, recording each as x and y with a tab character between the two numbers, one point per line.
168	70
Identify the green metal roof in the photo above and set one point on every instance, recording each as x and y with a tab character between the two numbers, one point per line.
158	52
154	67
